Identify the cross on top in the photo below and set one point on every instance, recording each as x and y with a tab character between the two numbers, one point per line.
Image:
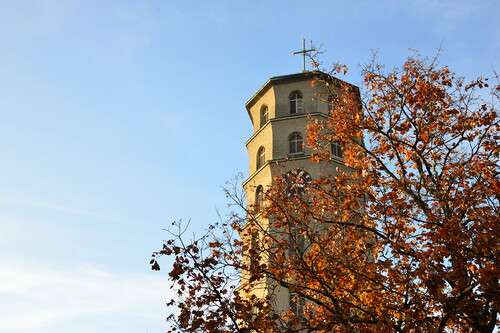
304	52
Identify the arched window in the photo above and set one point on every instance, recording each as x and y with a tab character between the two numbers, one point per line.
331	105
336	149
264	115
295	144
296	102
259	197
254	251
297	304
261	157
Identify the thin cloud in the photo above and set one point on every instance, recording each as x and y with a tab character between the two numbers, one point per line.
61	208
41	299
27	19
451	13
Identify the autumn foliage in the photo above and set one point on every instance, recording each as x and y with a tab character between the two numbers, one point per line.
404	238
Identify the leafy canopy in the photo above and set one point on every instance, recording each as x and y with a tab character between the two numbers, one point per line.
405	238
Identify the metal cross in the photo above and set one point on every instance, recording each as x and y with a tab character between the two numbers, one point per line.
304	51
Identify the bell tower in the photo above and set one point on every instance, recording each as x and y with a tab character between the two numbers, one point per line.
280	112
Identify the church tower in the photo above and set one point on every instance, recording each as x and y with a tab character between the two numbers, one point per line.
280	112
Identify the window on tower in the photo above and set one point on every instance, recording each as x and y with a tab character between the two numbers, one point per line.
331	104
295	144
336	149
297	304
296	105
264	115
254	252
261	157
259	197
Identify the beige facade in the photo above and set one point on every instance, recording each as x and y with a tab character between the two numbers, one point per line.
275	134
280	112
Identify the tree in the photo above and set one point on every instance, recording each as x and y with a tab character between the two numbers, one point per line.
405	239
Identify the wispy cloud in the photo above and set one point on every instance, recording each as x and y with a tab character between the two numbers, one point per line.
25	19
34	298
450	13
51	206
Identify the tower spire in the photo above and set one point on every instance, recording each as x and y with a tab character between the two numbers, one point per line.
304	53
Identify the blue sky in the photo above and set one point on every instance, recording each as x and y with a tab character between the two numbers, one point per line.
119	117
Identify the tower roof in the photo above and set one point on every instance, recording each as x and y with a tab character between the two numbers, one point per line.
289	77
